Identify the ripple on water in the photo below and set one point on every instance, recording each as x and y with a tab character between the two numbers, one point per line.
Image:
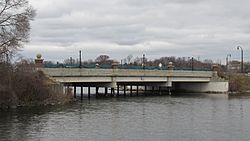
176	117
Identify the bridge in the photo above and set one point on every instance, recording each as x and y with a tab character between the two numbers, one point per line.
115	79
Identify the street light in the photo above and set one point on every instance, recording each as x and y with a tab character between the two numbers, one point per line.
227	61
80	59
240	48
143	62
192	63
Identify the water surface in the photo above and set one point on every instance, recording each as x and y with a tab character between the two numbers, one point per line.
189	117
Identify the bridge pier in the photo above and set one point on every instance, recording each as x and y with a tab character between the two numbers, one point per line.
124	91
74	91
118	91
88	92
112	92
131	90
169	91
106	91
96	91
81	93
137	90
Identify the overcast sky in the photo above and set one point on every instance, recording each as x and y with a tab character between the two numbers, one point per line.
208	29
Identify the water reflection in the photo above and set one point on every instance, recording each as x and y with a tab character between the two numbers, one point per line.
176	117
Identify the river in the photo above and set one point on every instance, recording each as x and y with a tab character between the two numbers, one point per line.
185	117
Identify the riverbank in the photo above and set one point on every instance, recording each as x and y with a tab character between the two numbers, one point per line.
22	85
239	83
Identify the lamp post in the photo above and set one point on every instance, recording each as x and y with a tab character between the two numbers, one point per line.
227	61
192	63
80	59
240	48
143	62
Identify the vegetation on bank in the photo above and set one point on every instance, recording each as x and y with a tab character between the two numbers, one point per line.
239	82
22	85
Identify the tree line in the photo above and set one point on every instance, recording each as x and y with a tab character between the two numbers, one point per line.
179	62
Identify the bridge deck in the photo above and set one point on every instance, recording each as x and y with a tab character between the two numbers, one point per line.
76	72
76	75
202	81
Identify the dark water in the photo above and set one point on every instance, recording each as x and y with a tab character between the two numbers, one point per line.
187	117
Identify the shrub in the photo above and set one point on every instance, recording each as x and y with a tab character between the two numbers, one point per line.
21	85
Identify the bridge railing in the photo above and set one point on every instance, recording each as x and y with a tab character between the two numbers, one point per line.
108	66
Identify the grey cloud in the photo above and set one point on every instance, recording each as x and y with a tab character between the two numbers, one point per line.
179	27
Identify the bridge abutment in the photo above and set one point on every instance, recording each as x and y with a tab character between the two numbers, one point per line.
211	87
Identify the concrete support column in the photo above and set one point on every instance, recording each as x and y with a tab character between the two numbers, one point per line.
145	90
81	93
88	92
74	91
169	91
124	91
131	90
137	90
118	90
97	91
67	90
112	92
106	91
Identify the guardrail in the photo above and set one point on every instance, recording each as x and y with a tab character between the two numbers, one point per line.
109	66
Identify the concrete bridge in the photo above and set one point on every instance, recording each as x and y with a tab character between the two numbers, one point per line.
193	81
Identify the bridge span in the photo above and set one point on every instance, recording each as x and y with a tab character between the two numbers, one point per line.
192	81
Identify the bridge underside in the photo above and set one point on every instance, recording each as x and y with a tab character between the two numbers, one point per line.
218	87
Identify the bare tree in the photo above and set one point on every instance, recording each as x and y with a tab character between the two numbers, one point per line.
89	61
15	16
137	61
69	61
102	59
129	58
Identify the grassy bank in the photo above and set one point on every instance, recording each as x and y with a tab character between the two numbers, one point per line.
21	85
